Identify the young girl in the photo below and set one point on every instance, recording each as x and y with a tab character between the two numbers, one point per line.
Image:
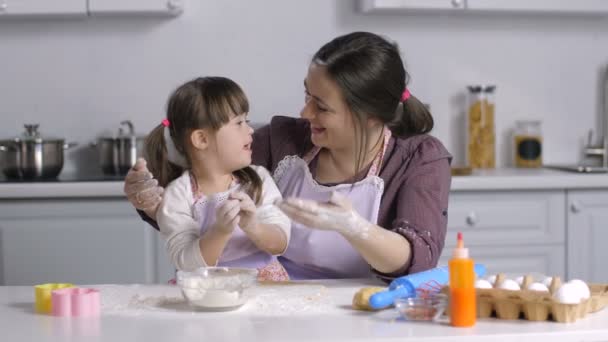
217	209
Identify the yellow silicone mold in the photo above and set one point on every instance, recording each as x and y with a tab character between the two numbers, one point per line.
42	293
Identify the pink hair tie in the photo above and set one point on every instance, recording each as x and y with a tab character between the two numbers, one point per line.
406	95
165	122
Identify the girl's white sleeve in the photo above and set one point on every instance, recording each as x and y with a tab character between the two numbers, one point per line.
267	212
179	228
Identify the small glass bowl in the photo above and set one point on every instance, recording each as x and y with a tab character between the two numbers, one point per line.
217	288
422	308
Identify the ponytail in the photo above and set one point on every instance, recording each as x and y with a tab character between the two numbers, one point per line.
252	183
155	153
412	119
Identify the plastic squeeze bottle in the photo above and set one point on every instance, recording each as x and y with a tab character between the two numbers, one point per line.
463	306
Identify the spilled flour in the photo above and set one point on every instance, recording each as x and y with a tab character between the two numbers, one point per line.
266	300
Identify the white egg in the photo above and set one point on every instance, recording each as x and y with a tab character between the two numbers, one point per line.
568	294
509	284
491	279
582	287
547	281
520	281
538	287
482	284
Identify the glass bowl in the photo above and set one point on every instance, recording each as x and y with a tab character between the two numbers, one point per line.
217	288
428	308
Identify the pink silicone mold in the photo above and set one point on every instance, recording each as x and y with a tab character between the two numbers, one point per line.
75	302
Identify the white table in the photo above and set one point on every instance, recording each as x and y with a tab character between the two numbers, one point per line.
307	312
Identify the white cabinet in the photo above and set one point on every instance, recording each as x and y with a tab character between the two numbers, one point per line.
43	7
153	7
517	260
586	7
392	6
540	6
588	235
10	8
83	241
510	231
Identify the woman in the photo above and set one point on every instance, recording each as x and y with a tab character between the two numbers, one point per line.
367	188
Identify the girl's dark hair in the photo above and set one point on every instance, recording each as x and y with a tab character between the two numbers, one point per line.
206	102
371	76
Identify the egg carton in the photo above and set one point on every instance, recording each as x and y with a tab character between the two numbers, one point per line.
536	305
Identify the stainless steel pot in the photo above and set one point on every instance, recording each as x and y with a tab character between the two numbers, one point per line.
32	157
118	154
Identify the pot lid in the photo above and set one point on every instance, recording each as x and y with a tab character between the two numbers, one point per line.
31	133
122	133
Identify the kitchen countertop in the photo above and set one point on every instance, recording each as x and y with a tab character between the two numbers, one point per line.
528	179
480	180
308	311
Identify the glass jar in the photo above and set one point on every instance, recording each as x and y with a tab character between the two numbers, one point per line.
481	138
528	144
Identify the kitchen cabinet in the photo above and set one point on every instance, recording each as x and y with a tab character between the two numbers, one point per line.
510	231
589	7
152	7
82	241
548	259
9	8
588	235
581	7
392	6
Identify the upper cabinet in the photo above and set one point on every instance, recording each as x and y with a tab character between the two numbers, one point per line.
591	7
586	7
43	7
392	6
146	7
10	8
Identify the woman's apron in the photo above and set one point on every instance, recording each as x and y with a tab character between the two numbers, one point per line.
314	253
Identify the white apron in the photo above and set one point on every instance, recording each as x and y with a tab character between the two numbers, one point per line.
314	253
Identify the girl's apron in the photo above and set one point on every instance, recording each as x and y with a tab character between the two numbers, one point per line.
314	253
240	251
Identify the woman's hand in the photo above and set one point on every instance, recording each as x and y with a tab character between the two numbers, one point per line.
336	215
248	221
384	250
142	189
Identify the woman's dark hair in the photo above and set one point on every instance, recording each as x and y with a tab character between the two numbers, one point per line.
206	102
371	76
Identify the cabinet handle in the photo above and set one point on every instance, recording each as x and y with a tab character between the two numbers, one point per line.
576	207
472	219
457	3
174	5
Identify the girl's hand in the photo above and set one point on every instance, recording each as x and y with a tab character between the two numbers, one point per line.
247	212
142	189
336	215
227	216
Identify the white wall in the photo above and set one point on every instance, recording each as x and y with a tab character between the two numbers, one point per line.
79	77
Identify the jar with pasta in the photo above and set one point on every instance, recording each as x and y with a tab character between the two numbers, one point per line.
481	137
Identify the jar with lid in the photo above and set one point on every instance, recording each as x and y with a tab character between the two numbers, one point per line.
528	144
481	137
